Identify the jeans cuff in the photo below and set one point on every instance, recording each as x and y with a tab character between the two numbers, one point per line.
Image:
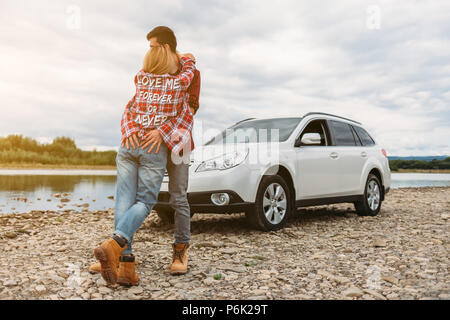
122	234
181	242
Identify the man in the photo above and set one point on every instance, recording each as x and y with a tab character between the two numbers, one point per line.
178	173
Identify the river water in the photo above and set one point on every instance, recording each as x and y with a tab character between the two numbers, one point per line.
27	190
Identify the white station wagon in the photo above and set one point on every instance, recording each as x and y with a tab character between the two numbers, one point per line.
268	168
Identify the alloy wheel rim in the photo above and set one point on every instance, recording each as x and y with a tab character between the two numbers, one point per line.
373	195
274	203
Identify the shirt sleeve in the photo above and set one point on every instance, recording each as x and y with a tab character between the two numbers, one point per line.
127	124
194	92
187	72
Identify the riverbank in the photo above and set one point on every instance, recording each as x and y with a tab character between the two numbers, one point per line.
421	171
18	166
325	252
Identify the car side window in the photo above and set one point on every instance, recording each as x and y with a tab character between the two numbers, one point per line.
342	133
316	126
365	138
357	139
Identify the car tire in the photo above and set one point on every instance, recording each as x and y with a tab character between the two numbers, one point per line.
370	204
168	215
271	210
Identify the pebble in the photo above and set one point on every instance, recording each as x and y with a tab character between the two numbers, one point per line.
104	290
11	235
263	277
237	269
136	290
390	279
392	296
257	298
375	294
40	289
132	296
229	251
353	292
379	243
10	283
209	281
96	296
100	282
207	244
65	294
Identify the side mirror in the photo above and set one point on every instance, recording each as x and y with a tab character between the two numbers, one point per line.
309	139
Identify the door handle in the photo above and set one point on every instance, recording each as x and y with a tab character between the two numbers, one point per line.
363	154
334	155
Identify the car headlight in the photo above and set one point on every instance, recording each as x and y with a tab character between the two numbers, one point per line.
223	162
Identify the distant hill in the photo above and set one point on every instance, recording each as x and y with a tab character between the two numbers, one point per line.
423	158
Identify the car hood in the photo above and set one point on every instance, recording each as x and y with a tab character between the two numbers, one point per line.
203	153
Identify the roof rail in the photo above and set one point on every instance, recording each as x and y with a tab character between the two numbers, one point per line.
243	121
329	114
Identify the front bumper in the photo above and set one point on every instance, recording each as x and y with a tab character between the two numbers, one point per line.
200	202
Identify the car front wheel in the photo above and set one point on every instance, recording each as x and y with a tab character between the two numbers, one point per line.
273	204
371	203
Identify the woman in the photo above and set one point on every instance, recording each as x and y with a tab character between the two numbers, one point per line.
158	109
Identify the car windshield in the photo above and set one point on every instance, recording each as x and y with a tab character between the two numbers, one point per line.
267	130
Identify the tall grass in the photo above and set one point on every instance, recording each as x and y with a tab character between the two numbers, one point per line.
62	151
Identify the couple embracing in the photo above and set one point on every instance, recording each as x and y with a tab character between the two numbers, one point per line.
159	118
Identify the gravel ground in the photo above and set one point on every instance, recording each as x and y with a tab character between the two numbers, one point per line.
325	252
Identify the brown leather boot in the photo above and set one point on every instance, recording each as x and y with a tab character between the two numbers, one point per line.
127	275
108	254
96	268
179	260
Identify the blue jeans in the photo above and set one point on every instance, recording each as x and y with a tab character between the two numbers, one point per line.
139	178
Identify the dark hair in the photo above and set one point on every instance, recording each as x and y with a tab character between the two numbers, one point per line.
164	35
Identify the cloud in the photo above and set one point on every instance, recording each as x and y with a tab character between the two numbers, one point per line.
258	59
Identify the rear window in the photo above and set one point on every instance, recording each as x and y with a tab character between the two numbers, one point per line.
342	133
365	138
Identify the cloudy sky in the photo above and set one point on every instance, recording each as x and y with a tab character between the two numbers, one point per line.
67	67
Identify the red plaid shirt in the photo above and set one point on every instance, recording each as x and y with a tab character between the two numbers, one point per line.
161	102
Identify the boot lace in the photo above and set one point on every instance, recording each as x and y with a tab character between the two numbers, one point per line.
178	254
